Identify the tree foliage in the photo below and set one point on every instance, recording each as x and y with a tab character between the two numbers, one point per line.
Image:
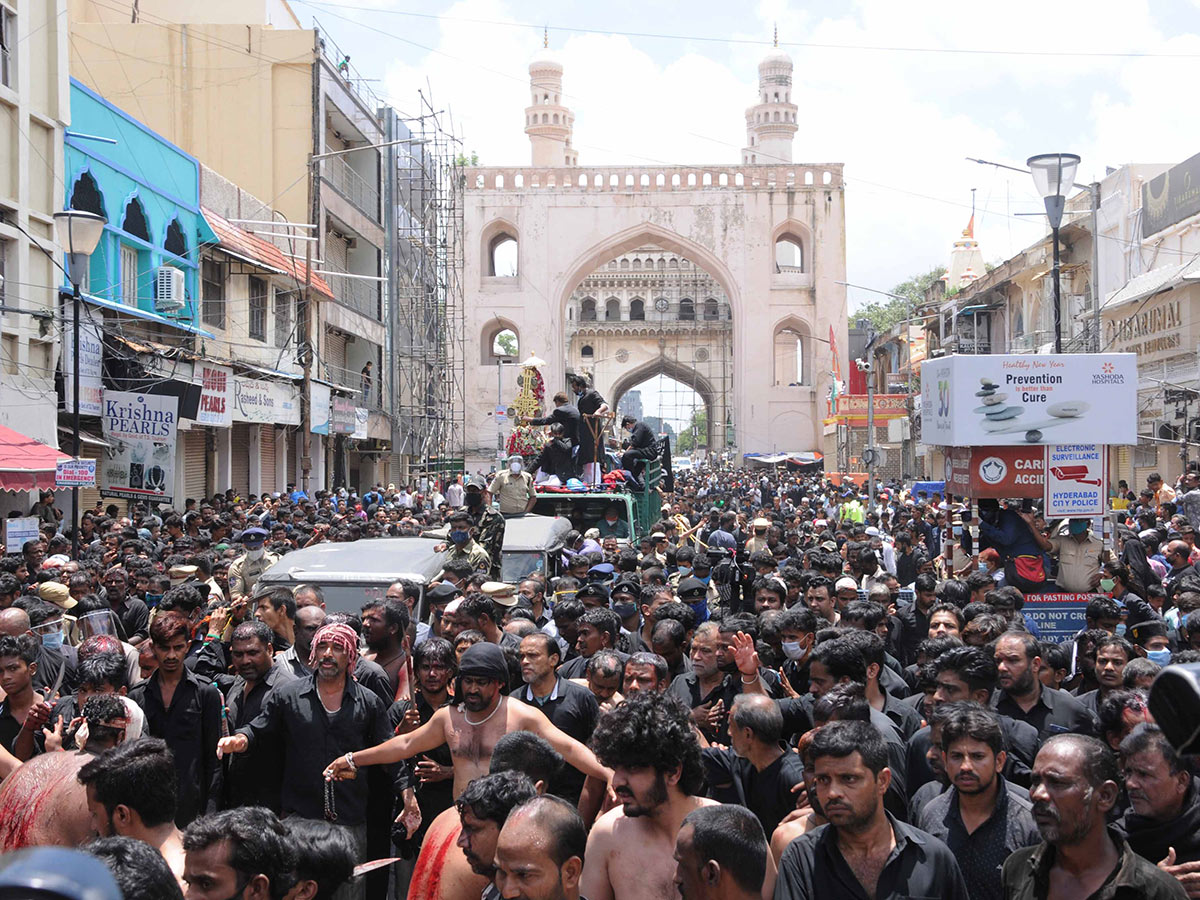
506	343
695	434
467	159
887	311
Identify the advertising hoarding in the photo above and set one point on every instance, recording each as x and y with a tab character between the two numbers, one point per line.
142	430
1017	399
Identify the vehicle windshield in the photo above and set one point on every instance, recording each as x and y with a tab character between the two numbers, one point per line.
349	598
516	567
584	511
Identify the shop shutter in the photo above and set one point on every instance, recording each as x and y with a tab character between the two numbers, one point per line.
89	495
335	354
239	464
266	445
1124	465
195	465
292	475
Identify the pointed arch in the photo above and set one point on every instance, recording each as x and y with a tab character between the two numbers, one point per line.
86	195
176	240
684	374
492	329
134	220
497	258
793	242
791	353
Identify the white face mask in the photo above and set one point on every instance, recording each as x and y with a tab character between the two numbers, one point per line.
254	552
514	467
793	650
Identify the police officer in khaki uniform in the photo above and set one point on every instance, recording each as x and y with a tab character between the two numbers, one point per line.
245	571
461	545
760	527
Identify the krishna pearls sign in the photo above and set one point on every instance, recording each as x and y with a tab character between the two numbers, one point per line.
1013	400
141	430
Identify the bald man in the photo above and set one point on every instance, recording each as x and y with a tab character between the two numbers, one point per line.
43	803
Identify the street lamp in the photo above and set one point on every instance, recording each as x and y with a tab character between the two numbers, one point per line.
78	233
1053	174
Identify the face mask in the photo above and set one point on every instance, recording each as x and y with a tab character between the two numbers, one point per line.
793	650
460	537
1107	584
473	500
956	531
254	552
1162	657
685	571
152	600
611	520
1120	629
53	640
983	566
1078	527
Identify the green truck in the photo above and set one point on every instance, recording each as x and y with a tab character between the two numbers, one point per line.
639	509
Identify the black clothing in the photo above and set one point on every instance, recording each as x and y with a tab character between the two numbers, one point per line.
49	662
1152	839
906	568
920	865
253	778
566	415
767	794
1056	712
905	717
914	628
371	675
573	710
191	727
643	445
1020	742
312	738
9	726
981	853
1026	876
433	797
133	615
589	401
686	687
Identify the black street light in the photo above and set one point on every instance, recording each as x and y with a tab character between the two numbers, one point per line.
78	234
1053	174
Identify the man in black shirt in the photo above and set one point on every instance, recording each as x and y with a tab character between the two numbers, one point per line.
863	853
132	613
253	778
914	619
979	818
18	664
1023	696
186	713
592	413
643	445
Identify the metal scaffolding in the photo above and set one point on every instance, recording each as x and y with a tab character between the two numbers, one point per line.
427	315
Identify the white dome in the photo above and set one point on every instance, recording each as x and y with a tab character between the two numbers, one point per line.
546	59
778	58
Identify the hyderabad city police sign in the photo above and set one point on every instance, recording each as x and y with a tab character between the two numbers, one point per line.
1015	400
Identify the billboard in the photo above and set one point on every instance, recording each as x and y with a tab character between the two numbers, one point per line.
142	429
1076	480
1017	400
996	472
215	407
1171	197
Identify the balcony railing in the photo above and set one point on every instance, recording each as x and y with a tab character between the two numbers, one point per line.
352	380
347	182
358	294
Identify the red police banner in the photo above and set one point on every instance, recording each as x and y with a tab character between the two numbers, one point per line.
998	472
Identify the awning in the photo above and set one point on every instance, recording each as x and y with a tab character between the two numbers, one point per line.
795	458
1155	281
26	464
117	307
85	439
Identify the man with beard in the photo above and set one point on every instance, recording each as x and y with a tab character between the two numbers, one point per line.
720	854
1074	788
483	808
254	778
539	854
979	819
1023	697
657	776
385	627
863	852
472	729
327	710
1163	819
131	793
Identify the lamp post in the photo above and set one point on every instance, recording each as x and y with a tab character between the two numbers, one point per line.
1053	174
78	233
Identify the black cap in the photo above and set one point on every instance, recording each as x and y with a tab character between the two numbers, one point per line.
593	589
1143	631
443	592
691	588
627	586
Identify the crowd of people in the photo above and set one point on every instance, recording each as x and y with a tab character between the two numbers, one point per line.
782	690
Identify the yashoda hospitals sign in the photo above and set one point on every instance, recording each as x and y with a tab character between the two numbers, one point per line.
1014	400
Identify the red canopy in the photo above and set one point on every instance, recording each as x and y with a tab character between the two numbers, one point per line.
26	464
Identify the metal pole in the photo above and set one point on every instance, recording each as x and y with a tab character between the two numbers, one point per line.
1094	187
75	517
870	436
1057	294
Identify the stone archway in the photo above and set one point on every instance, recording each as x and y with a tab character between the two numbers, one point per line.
713	401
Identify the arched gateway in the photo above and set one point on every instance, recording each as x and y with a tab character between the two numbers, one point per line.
590	253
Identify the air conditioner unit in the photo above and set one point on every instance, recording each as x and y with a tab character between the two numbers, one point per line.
169	289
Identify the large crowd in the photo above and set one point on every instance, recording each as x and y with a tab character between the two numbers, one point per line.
782	690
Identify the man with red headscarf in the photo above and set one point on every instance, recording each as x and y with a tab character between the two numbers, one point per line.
326	714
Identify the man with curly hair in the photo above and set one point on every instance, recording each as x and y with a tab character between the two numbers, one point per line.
658	777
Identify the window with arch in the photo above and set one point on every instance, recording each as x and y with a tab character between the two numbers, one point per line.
662	264
712	310
502	256
637	310
613	264
587	310
674	263
789	254
176	242
624	265
555	118
134	221
790	358
637	264
86	196
1019	323
687	310
612	310
500	341
587	352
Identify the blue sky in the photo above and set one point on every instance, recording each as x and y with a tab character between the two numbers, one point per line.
995	81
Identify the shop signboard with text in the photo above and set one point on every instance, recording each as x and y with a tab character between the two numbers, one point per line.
266	402
141	430
1021	400
215	386
999	472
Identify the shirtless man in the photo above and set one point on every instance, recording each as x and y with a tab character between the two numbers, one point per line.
472	729
442	871
131	792
630	852
41	803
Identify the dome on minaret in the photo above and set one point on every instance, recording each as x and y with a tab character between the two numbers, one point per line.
548	120
772	122
778	58
546	58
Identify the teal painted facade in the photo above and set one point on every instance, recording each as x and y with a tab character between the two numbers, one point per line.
149	191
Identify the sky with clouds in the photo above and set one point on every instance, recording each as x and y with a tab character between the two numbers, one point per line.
901	93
